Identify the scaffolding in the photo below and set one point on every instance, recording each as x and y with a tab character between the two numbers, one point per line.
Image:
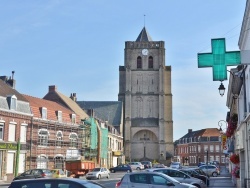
51	143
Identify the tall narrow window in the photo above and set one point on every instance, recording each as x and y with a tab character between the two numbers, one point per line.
73	140
43	137
73	118
139	62
150	62
23	131
59	116
44	112
12	132
59	137
1	130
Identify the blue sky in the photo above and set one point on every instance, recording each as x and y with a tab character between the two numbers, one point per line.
78	45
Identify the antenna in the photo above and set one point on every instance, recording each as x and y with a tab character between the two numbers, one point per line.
144	19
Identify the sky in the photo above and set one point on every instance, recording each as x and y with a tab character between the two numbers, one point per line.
78	45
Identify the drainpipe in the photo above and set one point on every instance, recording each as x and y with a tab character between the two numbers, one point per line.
17	157
31	142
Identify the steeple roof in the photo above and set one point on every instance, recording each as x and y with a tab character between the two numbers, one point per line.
143	36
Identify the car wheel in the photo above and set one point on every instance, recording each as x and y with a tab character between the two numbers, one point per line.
108	176
128	171
99	176
214	174
138	168
113	171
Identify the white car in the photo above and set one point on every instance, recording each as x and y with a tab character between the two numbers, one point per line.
136	165
150	179
98	173
176	165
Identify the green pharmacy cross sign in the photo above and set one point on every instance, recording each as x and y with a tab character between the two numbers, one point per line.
219	59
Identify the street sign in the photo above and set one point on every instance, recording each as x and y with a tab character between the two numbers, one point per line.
224	144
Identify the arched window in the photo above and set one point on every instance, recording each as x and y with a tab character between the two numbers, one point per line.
59	137
150	62
41	161
139	62
73	140
43	137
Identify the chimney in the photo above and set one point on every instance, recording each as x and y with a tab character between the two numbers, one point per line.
52	88
10	81
73	96
90	112
190	130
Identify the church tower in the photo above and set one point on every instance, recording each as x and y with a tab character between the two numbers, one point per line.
145	89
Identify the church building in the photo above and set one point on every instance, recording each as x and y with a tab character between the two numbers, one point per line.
145	90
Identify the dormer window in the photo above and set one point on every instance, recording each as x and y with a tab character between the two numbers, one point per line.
44	112
59	116
73	118
12	102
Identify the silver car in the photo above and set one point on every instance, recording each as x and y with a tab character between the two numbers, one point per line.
176	165
148	180
179	176
98	173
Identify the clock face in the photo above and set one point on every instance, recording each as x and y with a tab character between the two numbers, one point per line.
144	52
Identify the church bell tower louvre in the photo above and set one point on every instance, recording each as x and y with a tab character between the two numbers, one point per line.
145	90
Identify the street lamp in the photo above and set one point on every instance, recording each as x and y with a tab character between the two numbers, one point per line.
221	89
220	124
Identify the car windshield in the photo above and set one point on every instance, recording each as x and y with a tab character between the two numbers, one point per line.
96	170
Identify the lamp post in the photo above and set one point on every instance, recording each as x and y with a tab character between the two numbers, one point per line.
221	123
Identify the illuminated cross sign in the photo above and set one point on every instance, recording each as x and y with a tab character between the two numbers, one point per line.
219	59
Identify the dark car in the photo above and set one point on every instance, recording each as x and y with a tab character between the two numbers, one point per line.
195	174
121	168
201	163
35	173
147	164
54	183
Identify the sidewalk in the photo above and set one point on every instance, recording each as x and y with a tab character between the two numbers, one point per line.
223	180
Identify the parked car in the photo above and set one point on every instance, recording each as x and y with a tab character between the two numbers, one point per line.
35	173
136	165
98	173
210	170
201	163
149	179
121	168
199	171
54	182
58	173
158	165
195	174
179	176
147	164
176	165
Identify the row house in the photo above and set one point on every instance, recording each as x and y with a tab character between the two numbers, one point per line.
15	116
53	134
110	113
97	150
238	101
199	146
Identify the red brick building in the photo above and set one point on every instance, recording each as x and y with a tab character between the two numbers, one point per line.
53	135
199	146
15	116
